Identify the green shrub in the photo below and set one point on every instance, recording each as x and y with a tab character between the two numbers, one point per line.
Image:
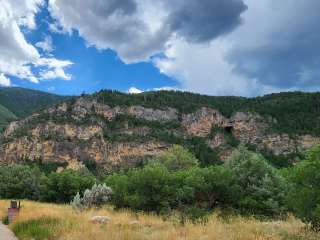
5	220
262	189
154	188
62	187
176	158
98	195
45	228
148	189
21	182
197	215
304	195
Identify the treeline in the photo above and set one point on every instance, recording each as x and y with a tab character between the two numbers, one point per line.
293	112
175	182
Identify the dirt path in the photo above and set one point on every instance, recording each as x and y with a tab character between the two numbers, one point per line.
5	233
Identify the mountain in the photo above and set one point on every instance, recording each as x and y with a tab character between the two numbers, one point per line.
20	102
111	130
6	116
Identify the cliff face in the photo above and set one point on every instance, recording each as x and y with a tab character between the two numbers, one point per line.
80	131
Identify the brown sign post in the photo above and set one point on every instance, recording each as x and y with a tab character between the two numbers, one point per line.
13	211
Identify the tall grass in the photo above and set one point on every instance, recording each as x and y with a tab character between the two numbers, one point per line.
50	221
37	229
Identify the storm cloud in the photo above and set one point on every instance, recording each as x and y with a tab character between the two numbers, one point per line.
201	21
139	29
282	47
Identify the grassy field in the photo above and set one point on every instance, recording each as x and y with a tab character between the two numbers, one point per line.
49	221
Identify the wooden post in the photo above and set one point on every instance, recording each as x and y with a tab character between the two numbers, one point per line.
13	211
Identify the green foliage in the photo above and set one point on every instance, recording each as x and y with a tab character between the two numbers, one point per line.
45	167
262	188
22	102
97	196
38	229
304	195
148	189
6	116
62	187
76	203
5	220
176	158
19	182
191	191
212	187
293	112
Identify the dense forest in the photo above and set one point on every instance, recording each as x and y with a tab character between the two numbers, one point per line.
18	103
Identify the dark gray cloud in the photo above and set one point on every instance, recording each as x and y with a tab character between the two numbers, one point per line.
105	8
288	56
204	20
139	29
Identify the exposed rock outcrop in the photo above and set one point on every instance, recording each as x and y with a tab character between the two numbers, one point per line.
202	121
75	138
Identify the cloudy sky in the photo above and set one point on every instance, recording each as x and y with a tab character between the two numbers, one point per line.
216	47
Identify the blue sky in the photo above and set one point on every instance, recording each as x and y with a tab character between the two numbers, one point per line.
93	69
215	47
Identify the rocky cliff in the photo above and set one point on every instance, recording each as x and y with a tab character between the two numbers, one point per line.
83	130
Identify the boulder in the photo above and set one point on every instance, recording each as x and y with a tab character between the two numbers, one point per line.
100	219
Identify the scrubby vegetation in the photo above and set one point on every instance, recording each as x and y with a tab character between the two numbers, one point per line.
293	112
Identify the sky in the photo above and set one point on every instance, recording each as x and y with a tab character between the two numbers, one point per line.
214	47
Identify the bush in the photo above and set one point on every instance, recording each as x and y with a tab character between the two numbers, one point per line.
5	220
154	188
76	203
177	158
148	189
304	195
98	195
21	182
213	187
262	189
62	187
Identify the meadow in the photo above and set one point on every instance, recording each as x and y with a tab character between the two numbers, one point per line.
41	221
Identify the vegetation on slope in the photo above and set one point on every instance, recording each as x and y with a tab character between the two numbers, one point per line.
294	112
22	102
174	182
5	117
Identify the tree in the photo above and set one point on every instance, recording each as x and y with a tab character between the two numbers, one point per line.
21	182
212	187
62	187
304	195
177	158
262	188
147	189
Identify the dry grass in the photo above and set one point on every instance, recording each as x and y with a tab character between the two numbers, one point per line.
76	226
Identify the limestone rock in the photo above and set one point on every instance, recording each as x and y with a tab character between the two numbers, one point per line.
100	219
202	121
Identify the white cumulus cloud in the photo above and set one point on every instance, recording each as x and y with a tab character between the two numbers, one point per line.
17	56
4	81
220	47
134	90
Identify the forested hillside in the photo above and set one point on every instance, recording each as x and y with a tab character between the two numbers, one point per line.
295	112
6	116
20	102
